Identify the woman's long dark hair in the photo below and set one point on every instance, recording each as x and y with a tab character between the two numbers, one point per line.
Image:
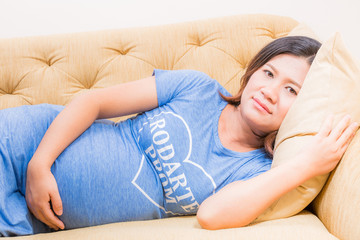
299	46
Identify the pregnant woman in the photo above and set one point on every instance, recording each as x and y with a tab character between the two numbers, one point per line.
192	149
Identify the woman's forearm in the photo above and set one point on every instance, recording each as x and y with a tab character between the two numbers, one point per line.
66	127
240	202
118	100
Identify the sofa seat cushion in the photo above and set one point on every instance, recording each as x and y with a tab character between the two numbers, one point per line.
303	226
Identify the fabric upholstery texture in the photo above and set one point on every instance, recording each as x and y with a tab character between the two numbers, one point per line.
54	69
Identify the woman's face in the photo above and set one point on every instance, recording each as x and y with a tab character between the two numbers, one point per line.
271	91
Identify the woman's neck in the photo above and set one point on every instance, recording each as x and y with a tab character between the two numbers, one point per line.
234	133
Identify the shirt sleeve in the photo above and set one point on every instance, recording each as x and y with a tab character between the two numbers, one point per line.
255	166
257	172
172	84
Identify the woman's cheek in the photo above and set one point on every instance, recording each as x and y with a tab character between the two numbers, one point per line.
286	108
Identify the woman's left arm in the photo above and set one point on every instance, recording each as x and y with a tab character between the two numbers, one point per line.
241	202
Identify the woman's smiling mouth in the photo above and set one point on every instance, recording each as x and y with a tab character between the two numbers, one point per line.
261	106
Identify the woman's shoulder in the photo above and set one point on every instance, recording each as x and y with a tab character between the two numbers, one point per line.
191	84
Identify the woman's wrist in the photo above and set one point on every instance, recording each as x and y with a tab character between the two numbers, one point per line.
39	164
301	168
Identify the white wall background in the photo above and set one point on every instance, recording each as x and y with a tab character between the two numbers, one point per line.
43	17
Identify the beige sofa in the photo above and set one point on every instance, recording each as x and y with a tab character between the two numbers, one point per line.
53	69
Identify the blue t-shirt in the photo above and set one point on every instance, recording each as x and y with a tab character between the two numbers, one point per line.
161	163
180	139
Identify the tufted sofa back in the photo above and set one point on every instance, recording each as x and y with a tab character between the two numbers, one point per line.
53	69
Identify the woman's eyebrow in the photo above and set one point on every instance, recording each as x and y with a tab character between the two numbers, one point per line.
289	79
272	67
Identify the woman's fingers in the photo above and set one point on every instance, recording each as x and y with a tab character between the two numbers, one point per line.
50	218
325	129
348	135
340	136
56	204
325	150
44	213
336	133
42	217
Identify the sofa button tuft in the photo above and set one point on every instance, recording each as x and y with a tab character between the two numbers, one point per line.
123	51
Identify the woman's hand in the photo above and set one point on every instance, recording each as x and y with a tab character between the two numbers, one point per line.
42	195
327	147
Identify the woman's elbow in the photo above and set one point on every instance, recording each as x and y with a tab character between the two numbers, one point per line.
206	220
212	218
209	222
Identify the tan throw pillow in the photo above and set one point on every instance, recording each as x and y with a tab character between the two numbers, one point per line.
331	86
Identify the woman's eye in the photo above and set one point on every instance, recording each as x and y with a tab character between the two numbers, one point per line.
291	90
268	73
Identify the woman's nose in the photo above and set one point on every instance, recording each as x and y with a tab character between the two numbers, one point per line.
270	93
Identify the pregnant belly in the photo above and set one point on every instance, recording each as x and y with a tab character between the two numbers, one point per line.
94	176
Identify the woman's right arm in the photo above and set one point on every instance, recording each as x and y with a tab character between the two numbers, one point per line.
115	101
240	202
